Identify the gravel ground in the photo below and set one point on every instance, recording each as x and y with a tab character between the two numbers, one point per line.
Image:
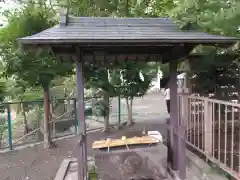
36	163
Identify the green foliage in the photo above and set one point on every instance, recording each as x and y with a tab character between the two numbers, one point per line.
19	90
3	127
100	108
37	115
125	8
29	67
97	78
215	68
129	84
2	89
92	175
161	8
165	70
220	17
213	71
76	8
35	68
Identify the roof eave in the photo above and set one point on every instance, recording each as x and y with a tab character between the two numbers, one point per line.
26	41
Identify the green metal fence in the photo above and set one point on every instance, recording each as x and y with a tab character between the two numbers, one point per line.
22	122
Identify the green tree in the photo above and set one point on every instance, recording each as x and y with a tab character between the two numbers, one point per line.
39	68
3	127
97	77
215	17
219	17
20	91
3	120
122	8
161	8
132	79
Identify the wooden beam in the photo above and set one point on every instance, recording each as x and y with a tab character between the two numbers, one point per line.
177	53
113	50
115	55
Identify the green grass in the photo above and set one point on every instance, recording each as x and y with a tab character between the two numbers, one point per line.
92	175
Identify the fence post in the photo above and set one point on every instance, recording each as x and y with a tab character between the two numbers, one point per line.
75	116
169	147
208	132
185	109
119	111
9	127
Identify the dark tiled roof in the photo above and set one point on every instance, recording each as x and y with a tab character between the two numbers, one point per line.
108	29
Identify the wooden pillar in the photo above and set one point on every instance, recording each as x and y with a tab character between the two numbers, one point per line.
173	124
82	158
177	126
181	152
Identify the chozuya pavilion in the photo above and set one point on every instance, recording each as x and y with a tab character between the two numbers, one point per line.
108	40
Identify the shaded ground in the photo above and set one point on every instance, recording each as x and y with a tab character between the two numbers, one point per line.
35	163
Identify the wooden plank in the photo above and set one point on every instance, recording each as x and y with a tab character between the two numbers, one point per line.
123	142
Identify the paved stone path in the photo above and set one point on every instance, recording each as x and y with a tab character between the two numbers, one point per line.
150	107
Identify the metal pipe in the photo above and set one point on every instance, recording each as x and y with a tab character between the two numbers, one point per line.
9	127
119	111
75	117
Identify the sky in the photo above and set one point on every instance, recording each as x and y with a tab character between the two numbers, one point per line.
7	5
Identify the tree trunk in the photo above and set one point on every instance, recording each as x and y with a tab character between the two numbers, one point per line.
53	122
126	8
69	107
1	138
26	129
106	117
47	131
188	77
189	83
129	108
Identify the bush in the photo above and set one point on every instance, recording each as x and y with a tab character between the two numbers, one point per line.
3	127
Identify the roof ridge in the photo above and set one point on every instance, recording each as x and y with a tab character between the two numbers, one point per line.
120	21
122	18
63	19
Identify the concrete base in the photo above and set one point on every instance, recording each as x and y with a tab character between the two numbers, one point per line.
197	169
68	169
145	162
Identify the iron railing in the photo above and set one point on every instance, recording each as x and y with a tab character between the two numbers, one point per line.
21	123
213	130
